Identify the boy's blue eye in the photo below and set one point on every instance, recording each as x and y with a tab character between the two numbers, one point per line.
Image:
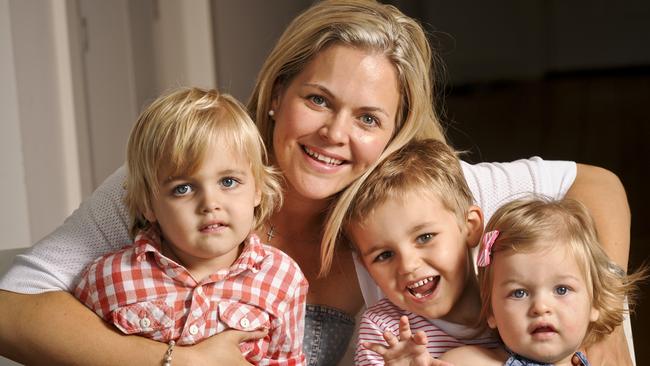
182	190
229	182
561	290
424	238
519	293
383	256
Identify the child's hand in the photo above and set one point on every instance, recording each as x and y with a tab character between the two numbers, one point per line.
409	350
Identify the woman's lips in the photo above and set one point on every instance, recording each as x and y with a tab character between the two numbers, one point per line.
321	157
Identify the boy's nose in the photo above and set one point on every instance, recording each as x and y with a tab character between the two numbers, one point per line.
407	263
210	202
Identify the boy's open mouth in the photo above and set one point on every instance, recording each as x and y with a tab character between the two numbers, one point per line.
423	287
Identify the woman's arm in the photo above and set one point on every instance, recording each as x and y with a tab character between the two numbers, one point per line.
54	328
604	195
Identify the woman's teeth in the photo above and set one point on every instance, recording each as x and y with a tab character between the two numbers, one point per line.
322	158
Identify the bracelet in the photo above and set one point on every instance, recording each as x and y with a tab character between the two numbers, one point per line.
167	359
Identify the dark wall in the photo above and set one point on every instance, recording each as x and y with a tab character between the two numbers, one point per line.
557	79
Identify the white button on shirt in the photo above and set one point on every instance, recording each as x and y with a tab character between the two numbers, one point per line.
194	329
145	322
244	323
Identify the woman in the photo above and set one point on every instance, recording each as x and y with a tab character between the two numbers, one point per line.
347	83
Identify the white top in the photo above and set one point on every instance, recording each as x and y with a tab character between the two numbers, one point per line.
100	225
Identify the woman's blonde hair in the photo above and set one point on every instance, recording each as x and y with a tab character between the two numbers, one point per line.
362	24
175	132
529	224
428	167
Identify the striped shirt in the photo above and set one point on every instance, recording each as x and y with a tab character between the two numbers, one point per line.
385	316
142	292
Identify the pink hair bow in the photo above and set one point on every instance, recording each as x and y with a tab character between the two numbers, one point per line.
487	242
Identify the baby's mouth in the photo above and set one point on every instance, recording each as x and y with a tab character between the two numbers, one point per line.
544	329
423	287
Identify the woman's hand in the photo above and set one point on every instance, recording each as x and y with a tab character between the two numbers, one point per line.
220	349
407	350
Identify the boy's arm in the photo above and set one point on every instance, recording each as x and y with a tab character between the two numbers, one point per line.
55	328
604	195
369	332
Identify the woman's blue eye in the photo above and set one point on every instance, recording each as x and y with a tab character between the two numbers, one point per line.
229	182
369	120
182	190
519	293
383	256
317	99
561	290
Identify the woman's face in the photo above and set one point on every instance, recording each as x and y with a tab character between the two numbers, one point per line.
333	120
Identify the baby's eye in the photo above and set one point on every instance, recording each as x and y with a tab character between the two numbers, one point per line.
424	238
182	189
383	256
229	182
519	293
561	290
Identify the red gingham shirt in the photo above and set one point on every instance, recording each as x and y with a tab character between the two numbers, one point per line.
142	292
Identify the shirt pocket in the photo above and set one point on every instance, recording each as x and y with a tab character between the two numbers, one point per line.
236	315
154	319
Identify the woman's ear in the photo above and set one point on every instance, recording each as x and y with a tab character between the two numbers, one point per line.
474	223
492	323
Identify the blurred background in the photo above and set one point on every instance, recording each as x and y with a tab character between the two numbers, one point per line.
558	79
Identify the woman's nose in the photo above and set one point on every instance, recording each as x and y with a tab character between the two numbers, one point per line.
336	129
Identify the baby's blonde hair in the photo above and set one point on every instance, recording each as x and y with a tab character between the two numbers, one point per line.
429	167
176	130
527	225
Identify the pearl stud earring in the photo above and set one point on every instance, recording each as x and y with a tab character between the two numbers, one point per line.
271	113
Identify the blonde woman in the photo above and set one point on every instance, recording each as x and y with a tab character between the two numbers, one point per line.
347	83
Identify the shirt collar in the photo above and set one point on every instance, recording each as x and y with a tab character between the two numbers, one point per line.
251	257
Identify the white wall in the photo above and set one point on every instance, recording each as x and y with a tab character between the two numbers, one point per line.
40	172
14	221
73	77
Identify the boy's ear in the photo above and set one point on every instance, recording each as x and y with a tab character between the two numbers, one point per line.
474	224
149	215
